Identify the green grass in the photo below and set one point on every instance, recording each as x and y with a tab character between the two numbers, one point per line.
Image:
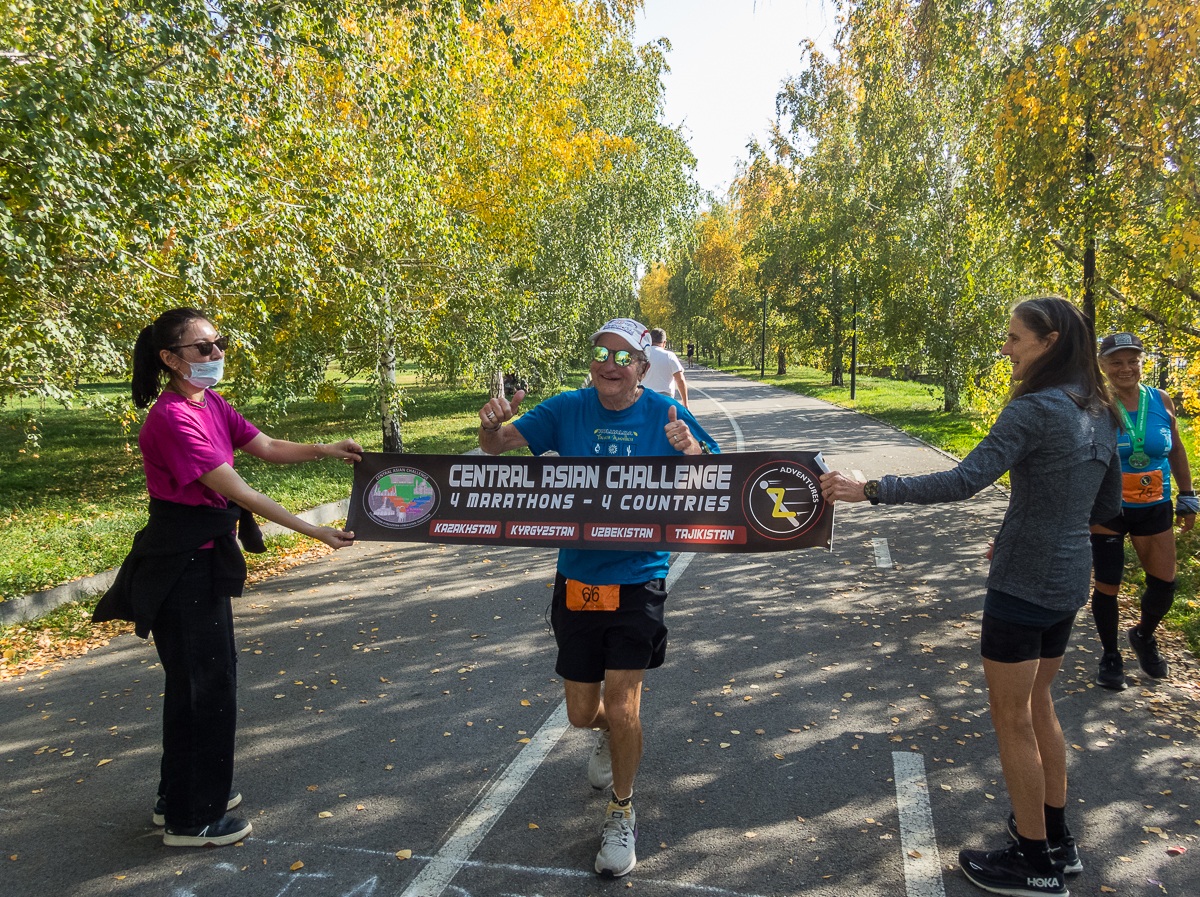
916	409
70	507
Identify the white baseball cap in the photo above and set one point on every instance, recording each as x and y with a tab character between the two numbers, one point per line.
637	336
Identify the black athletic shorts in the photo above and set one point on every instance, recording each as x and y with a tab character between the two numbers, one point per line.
633	637
1143	520
1015	630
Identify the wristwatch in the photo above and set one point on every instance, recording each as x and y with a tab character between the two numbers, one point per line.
704	449
871	491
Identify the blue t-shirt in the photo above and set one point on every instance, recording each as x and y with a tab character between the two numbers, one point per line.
575	424
1156	447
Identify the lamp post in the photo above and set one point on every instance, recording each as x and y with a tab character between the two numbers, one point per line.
854	344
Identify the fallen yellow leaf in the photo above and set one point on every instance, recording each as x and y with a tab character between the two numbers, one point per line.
915	854
779	756
534	825
751	834
312	787
724	744
947	788
324	814
404	854
1153	829
299	864
389	766
102	762
524	703
1105	889
522	741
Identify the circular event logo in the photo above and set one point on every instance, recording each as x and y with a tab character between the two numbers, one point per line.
401	497
782	500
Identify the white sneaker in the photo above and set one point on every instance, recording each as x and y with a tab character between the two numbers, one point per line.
600	763
616	856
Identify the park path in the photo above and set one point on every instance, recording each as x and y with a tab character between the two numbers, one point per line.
820	725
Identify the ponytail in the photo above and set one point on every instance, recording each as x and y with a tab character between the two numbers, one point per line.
148	367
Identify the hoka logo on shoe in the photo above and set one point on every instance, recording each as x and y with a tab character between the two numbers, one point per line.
1041	882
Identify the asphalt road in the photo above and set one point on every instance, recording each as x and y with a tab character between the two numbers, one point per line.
820	725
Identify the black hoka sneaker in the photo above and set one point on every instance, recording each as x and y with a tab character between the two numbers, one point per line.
1065	853
1112	671
1008	872
1146	649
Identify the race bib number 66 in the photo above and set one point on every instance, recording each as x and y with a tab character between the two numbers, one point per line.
581	596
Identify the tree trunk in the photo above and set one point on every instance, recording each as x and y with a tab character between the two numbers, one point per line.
496	383
390	419
782	358
951	388
1089	249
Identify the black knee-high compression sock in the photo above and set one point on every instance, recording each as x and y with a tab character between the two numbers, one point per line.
1156	601
1056	822
1104	612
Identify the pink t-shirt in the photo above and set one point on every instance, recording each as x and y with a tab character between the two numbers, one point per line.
181	442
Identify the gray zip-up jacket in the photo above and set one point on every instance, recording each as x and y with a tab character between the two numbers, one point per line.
1065	475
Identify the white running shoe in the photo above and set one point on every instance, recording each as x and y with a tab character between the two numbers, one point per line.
600	763
616	856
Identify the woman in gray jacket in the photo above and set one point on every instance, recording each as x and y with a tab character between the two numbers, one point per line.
1057	436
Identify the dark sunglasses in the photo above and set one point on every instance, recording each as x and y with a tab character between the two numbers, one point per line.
621	358
205	347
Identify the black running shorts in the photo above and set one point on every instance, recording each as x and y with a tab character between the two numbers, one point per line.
1006	642
1144	520
633	637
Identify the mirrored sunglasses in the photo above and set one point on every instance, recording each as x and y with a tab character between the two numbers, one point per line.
621	358
205	347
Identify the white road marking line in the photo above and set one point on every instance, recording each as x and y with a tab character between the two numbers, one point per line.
858	475
883	557
442	867
922	865
480	864
677	568
802	417
737	431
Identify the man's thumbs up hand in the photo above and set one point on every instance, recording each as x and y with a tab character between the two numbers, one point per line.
499	411
679	435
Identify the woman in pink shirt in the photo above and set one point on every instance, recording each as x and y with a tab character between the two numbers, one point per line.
185	565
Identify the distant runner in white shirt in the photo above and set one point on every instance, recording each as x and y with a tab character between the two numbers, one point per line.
666	370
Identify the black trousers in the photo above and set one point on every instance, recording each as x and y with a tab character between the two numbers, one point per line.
193	633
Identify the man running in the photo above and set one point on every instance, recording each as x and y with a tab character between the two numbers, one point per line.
666	370
607	609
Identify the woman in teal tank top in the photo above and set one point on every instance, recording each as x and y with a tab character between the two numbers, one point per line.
1151	456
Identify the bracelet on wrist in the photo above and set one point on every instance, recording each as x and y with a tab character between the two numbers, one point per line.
491	429
1186	493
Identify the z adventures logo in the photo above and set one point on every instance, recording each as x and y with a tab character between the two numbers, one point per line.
782	500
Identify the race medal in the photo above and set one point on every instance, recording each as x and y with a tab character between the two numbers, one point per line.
1138	459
